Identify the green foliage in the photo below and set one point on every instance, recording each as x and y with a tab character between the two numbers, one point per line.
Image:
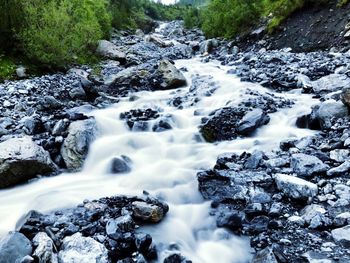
342	3
192	18
229	17
57	32
7	68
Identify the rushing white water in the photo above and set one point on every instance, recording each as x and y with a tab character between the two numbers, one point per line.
165	164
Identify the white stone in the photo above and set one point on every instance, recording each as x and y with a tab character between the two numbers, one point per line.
295	187
81	249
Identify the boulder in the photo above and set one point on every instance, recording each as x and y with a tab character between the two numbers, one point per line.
147	212
172	77
295	187
44	248
329	110
342	236
345	96
116	227
81	249
75	147
109	50
330	83
251	121
307	165
22	159
14	247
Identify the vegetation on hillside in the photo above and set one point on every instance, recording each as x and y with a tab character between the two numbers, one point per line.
57	33
228	18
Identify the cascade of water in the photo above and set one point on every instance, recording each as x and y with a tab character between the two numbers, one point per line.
164	164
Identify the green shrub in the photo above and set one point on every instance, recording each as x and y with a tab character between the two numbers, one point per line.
59	32
229	17
7	68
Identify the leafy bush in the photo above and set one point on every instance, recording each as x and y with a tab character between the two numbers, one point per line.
229	17
7	68
57	32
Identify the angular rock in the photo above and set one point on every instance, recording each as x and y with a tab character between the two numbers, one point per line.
75	147
81	249
251	121
329	110
330	83
172	77
14	247
339	170
109	50
342	236
307	165
296	188
265	256
44	248
22	159
147	212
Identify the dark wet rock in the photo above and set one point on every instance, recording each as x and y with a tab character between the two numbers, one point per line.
307	165
176	258
223	125
121	165
135	118
22	159
106	226
251	121
75	147
14	247
148	212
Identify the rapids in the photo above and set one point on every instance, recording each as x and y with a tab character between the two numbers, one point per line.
164	164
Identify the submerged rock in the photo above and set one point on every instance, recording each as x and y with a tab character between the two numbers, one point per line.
251	121
22	159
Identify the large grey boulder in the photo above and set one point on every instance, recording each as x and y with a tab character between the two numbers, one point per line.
329	110
172	77
81	249
22	159
251	121
44	248
76	146
330	83
342	236
307	165
109	50
14	247
295	187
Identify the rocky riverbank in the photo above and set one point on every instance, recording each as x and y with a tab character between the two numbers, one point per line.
292	202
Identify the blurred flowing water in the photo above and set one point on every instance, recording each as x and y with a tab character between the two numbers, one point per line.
165	164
